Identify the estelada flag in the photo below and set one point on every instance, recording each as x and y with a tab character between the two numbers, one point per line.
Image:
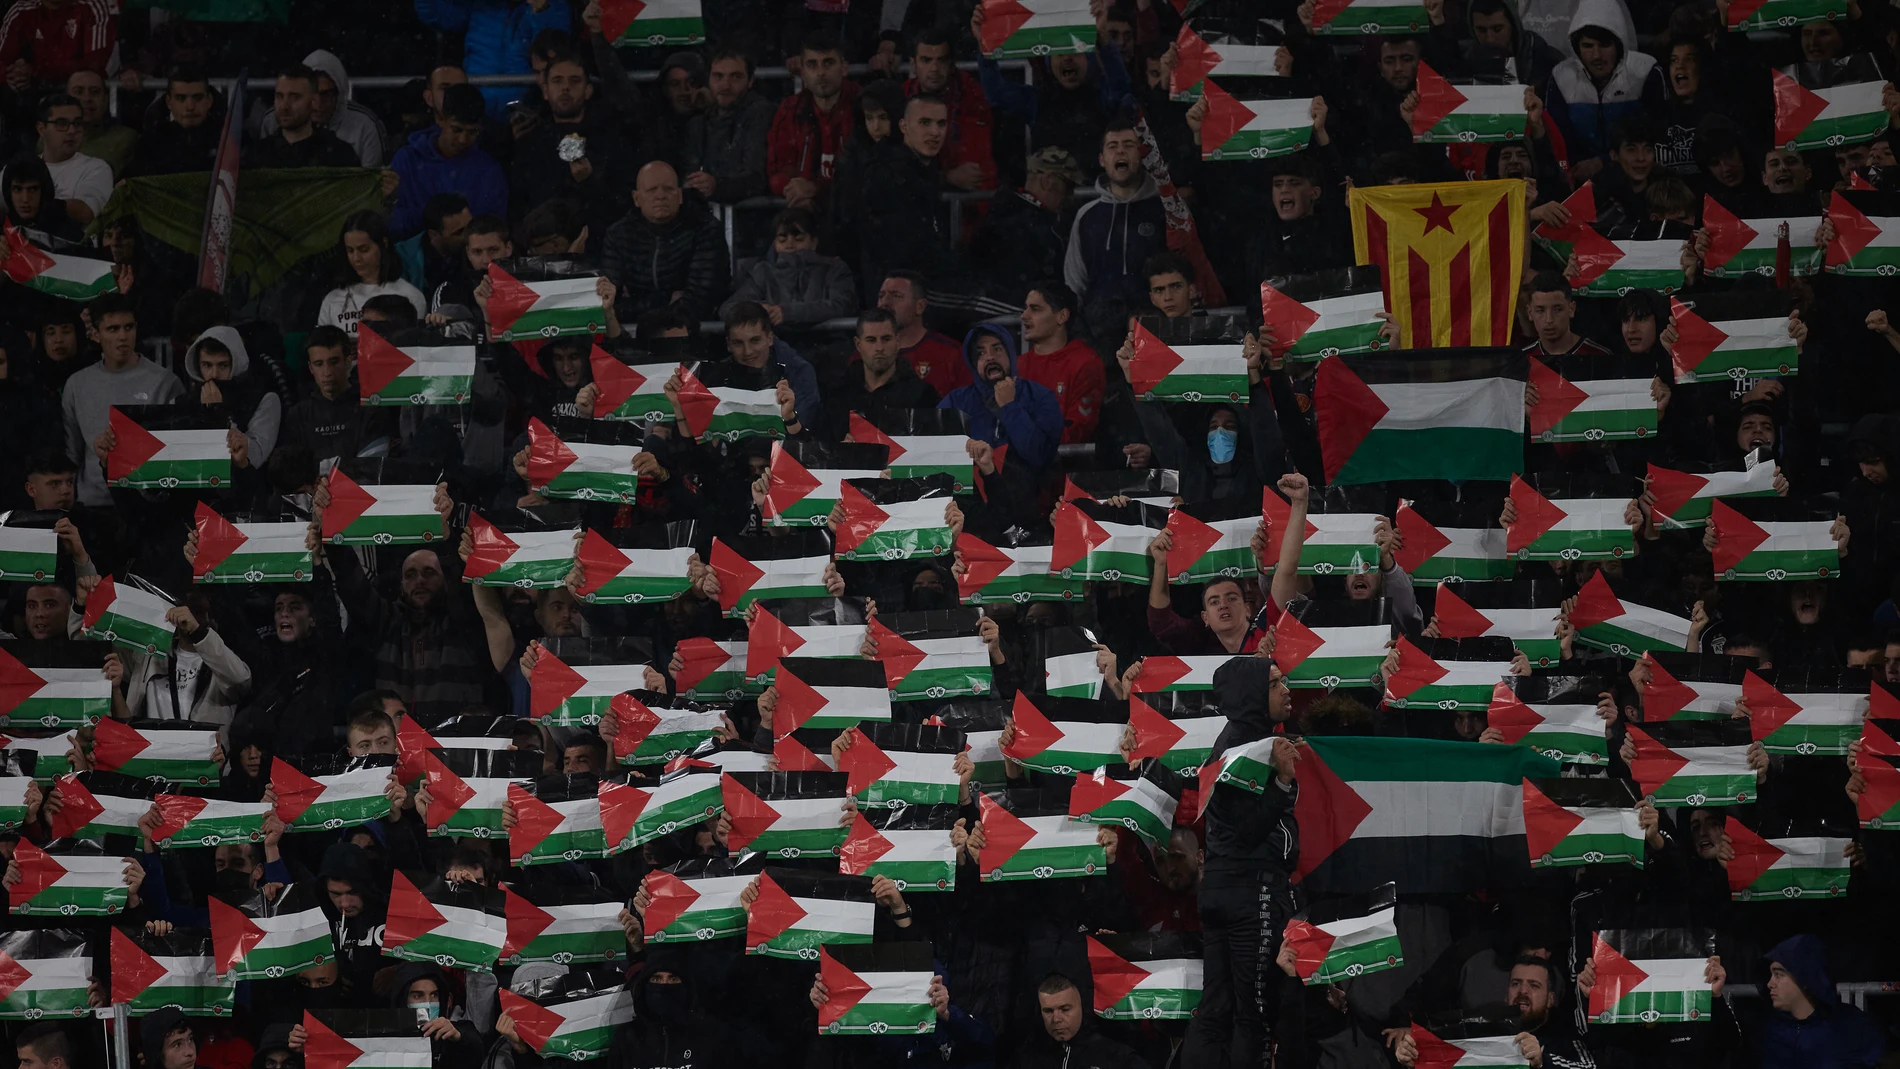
1452	255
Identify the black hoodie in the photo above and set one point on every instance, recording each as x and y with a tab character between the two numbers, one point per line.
466	1049
671	1030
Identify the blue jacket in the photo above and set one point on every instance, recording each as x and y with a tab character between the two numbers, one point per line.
804	383
1031	425
496	36
1111	239
1588	113
1836	1036
425	172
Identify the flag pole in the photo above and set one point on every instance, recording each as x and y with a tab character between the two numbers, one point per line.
214	243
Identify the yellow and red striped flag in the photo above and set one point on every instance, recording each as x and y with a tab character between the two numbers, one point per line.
1451	256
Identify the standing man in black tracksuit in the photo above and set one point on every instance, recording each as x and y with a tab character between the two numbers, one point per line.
1253	844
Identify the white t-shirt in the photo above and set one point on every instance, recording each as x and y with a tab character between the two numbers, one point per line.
342	307
83	178
185	666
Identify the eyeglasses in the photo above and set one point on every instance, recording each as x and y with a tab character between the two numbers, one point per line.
61	124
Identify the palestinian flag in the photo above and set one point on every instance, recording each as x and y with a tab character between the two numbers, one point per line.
1828	117
1446	543
693	910
1334	541
364	1039
632	815
1731	350
571	933
128	615
1745	15
1197	59
1422	681
557	307
1739	247
894	519
630	575
649	736
456	928
527	560
1691	686
40	758
1369	16
258	948
1104	542
1327	657
1771	551
1556	717
1212	540
1410	417
35	989
1014	29
1578	405
1065	748
994	575
57	684
727	413
1582	822
148	975
807	476
161	448
1692	765
785	568
653	22
1172	364
249	552
714	671
919	456
471	735
1625	628
796	912
577	695
1132	801
28	554
579	468
1864	245
578	1028
1585	528
1315	329
1152	976
785	814
1430	816
1684	499
1036	847
1181	745
327	803
1562	241
909	846
462	805
13	810
636	394
1649	976
1468	1052
188	821
1614	267
1504	610
1809	866
68	885
413	374
1817	718
1358	936
1234	129
176	754
930	662
379	515
76	278
898	765
117	808
817	692
1248	766
876	990
1465	114
1161	674
558	829
1878	807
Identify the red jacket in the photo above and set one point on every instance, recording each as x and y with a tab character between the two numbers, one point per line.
803	143
1075	374
57	41
938	360
970	123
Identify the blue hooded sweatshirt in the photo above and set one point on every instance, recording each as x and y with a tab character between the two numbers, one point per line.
425	172
1835	1036
1031	425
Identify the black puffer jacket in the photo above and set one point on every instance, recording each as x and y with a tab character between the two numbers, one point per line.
650	262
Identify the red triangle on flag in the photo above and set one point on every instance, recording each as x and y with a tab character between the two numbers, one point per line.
695	403
668	899
614	381
864	761
1594	604
1154	734
1194	59
772	912
864	432
1328	811
550	682
1739	10
1076	535
411	916
535	1024
1072	492
798	702
1325	11
535	820
1034	731
1420	540
1768	708
1310	944
1672	490
736	574
1696	338
1348	411
1557	397
1536	515
1545	822
1664	696
1114	976
620	807
133	970
1286	319
699	658
600	562
864	845
617	15
1224	117
1433	1052
633	722
1882	793
844	988
17	684
1616	977
1294	642
1191	539
38	871
348	502
791	755
25	261
1510	715
323	1048
899	655
448	792
174	812
413	742
1736	536
1655	763
12	975
218	538
862	518
1093	791
1853	231
1456	618
102	597
134	445
767	640
378	363
1001	20
233	934
1153	361
1437	98
508	298
1416	670
1594	255
982	563
1728	235
1582	206
548	456
1276	514
750	815
1796	107
115	742
791	482
1159	672
526	922
492	548
1882	704
1004	833
77	807
1753	855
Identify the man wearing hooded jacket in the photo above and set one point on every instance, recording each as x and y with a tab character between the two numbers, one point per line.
1003	408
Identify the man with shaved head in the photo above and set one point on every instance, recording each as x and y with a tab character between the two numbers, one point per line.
666	252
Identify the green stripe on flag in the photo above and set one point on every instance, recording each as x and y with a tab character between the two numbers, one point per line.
1376	16
1423	453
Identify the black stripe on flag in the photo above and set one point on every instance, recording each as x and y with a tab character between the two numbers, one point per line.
1444	365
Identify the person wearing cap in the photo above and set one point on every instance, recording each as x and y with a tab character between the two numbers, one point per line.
1025	236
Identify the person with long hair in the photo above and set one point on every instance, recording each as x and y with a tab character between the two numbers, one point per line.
369	268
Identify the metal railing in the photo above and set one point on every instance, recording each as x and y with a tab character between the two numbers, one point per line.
1856	994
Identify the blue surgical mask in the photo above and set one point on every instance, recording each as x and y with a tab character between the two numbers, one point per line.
1221	443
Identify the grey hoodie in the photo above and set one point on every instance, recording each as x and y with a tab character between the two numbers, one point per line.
354	124
87	404
268	416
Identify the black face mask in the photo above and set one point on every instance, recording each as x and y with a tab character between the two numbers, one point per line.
231	880
320	998
666	1002
926	599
